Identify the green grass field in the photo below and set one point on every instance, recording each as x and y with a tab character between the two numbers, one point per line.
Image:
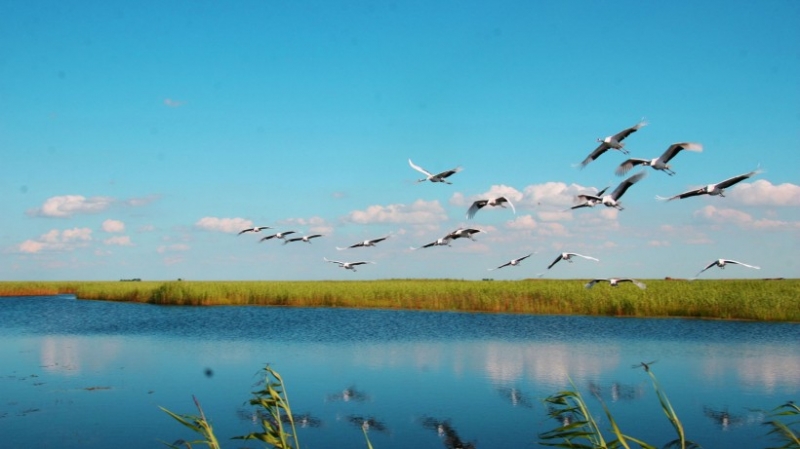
762	300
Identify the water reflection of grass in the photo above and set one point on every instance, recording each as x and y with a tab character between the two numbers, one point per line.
773	300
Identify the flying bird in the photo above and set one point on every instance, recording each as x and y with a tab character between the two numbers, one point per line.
661	162
722	262
612	143
347	265
568	258
463	232
439	177
612	200
588	199
365	243
253	229
444	241
513	262
305	238
614	282
717	189
480	204
279	235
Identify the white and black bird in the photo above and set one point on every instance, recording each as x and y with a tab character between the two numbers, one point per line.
480	204
717	189
444	241
589	199
661	162
463	233
279	235
347	265
568	257
612	143
439	177
612	200
512	262
614	282
365	243
253	229
722	262
305	238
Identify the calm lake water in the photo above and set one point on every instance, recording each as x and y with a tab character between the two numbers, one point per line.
88	374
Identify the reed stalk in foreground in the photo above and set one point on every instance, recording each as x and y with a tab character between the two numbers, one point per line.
580	430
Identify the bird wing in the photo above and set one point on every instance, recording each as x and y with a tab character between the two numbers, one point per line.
244	230
267	237
686	194
620	136
601	192
591	283
313	236
419	169
675	148
524	257
628	164
743	264
731	181
623	186
602	148
560	256
503	199
475	207
447	173
333	261
501	266
585	257
360	263
378	240
706	268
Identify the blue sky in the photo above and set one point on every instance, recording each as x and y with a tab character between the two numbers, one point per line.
136	140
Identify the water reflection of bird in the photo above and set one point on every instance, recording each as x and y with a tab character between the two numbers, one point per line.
565	418
516	397
255	416
446	431
616	391
369	423
349	394
724	419
645	365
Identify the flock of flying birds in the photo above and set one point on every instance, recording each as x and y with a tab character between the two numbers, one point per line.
612	142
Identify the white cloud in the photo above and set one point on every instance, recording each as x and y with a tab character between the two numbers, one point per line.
118	240
557	215
420	212
512	194
31	246
717	215
553	194
174	248
55	240
228	225
172	103
113	226
523	222
314	224
68	205
764	193
744	220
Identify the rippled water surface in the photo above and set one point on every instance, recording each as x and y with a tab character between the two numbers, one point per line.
88	374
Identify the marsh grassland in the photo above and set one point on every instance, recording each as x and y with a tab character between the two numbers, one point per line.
754	299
